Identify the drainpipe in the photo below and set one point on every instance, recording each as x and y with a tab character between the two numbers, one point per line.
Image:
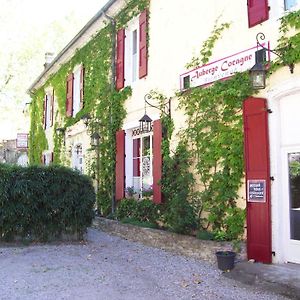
113	68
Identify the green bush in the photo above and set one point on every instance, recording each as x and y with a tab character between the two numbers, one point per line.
42	203
177	182
140	211
139	223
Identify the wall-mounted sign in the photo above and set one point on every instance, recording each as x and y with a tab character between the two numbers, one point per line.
219	69
22	140
256	190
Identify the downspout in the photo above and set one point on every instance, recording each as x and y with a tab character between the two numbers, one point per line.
113	70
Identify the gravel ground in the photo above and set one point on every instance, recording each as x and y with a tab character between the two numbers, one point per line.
108	267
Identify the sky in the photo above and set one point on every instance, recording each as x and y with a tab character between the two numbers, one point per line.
23	24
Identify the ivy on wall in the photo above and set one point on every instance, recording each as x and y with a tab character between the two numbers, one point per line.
101	102
288	46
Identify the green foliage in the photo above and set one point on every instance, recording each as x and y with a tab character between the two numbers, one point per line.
233	225
205	235
101	102
177	184
139	223
142	211
289	45
208	45
42	203
215	135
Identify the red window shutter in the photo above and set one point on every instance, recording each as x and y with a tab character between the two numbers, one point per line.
52	109
258	11
157	161
257	167
136	157
69	100
81	87
143	54
45	111
120	164
120	59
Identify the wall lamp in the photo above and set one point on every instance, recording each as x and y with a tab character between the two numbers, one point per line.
95	137
86	119
258	71
145	121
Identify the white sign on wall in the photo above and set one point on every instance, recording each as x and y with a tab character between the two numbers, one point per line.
22	140
220	69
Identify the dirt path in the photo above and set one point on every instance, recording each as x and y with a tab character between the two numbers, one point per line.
107	267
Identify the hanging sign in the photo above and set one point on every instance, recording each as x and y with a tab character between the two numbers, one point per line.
219	69
256	190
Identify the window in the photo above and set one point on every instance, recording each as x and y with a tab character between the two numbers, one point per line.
48	109
76	91
289	4
47	158
142	162
75	82
131	52
77	158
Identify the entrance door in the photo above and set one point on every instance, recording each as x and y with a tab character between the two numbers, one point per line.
290	161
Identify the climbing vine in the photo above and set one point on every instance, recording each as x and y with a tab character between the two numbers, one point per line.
289	45
102	103
215	135
212	145
208	45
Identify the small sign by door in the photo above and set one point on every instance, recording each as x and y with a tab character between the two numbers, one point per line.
256	190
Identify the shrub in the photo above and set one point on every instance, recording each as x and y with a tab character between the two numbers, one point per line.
42	203
140	211
177	184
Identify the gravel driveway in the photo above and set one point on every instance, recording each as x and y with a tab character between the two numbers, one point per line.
108	267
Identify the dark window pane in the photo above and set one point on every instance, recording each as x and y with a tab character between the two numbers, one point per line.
294	181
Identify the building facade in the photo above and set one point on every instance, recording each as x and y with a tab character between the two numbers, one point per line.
88	102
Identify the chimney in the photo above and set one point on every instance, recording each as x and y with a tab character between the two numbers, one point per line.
49	56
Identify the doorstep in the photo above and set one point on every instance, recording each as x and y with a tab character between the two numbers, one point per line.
283	279
169	241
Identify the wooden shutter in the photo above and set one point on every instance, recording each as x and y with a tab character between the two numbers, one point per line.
257	167
45	112
120	164
81	86
157	161
120	59
52	109
69	100
52	157
143	53
258	11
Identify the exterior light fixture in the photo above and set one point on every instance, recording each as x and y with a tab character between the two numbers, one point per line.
258	71
145	121
86	118
95	139
60	130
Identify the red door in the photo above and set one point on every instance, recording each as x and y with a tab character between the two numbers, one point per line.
257	167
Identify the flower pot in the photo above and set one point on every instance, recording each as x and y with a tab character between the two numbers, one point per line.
225	260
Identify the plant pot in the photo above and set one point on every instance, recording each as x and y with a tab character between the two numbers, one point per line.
225	260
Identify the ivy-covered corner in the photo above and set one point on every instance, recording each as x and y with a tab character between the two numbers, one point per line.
102	102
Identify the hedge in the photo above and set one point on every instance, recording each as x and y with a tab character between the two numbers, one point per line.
44	203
